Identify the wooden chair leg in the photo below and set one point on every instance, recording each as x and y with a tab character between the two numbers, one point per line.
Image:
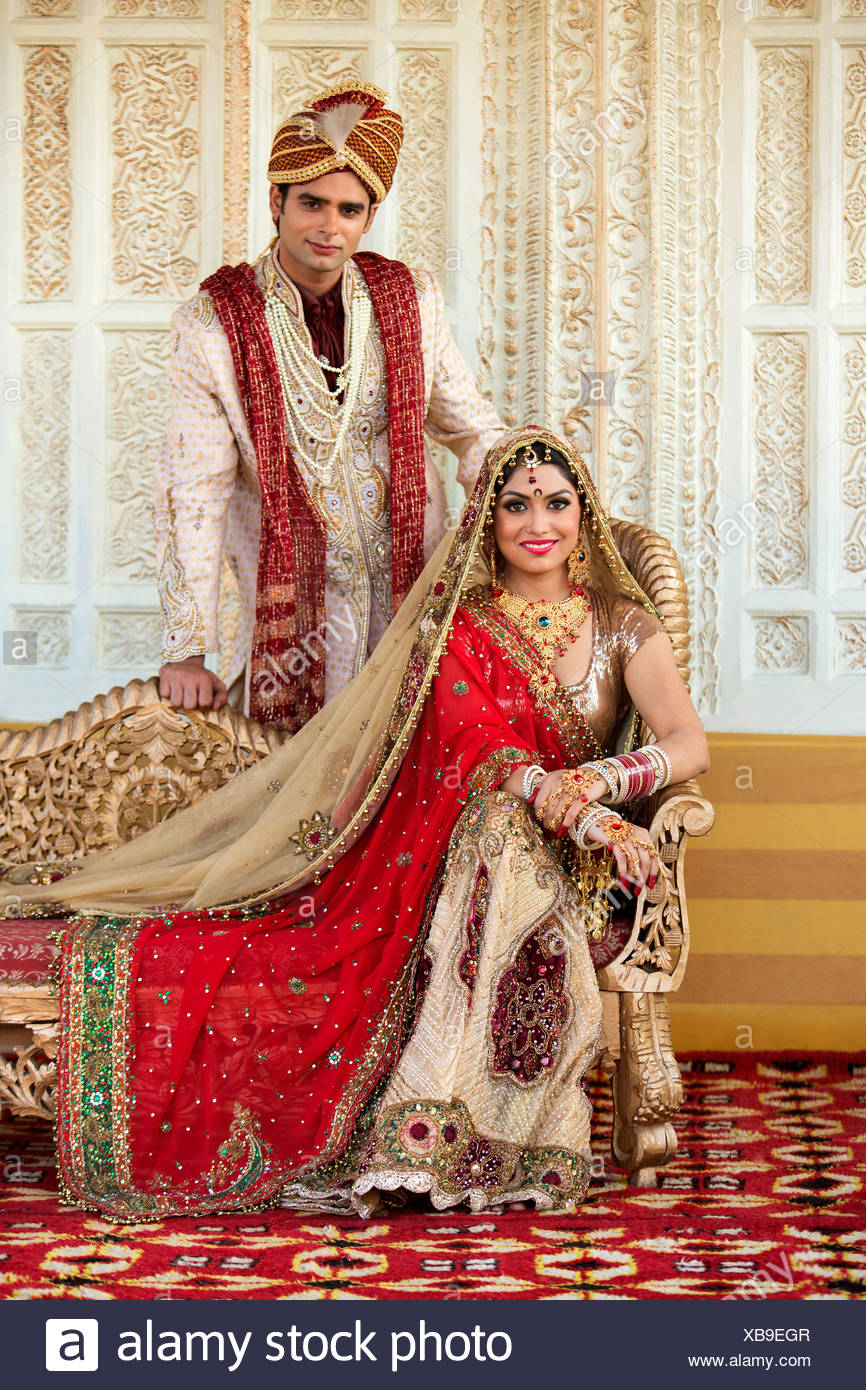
647	1088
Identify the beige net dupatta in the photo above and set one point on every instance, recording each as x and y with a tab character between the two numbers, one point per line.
288	819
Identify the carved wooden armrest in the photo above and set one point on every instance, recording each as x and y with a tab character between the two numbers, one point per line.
654	957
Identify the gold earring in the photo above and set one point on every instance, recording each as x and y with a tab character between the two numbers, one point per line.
494	583
578	565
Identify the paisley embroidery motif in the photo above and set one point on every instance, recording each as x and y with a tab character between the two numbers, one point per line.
532	1009
240	1159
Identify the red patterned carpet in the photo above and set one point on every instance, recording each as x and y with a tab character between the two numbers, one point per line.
764	1200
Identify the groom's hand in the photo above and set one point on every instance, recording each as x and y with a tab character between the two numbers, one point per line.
189	684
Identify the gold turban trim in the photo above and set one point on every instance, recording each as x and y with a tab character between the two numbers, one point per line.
345	127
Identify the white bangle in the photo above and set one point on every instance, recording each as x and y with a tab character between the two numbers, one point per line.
594	812
531	779
662	762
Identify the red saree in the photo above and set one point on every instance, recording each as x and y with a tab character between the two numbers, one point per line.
210	1058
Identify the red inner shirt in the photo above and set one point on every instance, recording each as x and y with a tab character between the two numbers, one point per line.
325	317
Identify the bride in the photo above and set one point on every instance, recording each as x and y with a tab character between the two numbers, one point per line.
361	971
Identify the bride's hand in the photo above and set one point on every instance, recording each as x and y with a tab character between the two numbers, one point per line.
636	858
560	805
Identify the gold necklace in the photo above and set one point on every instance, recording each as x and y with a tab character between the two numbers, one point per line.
550	627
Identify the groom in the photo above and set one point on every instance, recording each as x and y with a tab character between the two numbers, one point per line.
302	387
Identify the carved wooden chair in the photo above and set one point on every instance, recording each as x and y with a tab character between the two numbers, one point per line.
125	760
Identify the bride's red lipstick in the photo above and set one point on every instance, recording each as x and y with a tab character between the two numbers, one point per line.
538	547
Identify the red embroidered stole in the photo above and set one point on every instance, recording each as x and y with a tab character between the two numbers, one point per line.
290	588
395	303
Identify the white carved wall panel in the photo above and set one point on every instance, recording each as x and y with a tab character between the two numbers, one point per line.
783	167
793	437
156	142
44	501
129	639
780	475
782	644
48	9
854	175
422	184
53	629
138	399
111	227
675	281
853	549
46	194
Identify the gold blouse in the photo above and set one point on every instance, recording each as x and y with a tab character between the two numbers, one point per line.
620	627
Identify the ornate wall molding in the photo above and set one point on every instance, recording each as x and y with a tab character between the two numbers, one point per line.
429	11
786	9
237	90
47	172
424	218
683	472
850	647
156	171
53	628
129	639
488	318
780	476
624	154
514	213
854	457
299	71
49	9
356	10
783	176
624	266
854	175
43	490
572	288
782	644
157	9
525	232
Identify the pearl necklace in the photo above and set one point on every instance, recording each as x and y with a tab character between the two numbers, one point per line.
327	420
550	627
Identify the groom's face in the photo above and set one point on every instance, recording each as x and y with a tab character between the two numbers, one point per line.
321	223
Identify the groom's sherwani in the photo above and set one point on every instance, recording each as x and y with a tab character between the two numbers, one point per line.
208	502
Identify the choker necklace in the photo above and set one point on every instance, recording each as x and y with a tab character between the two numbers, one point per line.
550	627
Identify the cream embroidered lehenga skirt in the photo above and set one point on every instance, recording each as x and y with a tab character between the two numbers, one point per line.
486	1104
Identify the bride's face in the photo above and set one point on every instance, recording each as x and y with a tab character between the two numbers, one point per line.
536	525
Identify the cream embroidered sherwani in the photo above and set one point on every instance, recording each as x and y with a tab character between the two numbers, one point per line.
207	497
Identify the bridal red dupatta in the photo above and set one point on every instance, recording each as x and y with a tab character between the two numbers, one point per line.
208	1057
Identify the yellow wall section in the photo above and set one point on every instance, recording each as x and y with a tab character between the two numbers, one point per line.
777	899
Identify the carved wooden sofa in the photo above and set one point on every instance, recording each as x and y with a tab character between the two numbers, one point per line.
117	765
